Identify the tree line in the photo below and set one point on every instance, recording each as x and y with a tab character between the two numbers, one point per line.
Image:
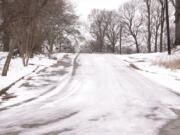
28	27
138	26
37	26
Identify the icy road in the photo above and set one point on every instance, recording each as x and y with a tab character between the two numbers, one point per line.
103	96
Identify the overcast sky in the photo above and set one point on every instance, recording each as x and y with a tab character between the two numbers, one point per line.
85	6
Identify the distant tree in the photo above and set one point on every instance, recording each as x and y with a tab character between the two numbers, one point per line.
132	21
26	24
113	29
148	4
162	5
98	27
156	23
61	25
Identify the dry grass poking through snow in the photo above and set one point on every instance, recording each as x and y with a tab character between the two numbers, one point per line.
169	61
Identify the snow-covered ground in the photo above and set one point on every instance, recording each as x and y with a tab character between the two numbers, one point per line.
17	70
149	67
97	94
41	79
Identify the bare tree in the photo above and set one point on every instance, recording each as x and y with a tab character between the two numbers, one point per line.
28	21
99	25
168	28
120	37
148	4
113	30
177	23
60	24
162	3
132	22
156	23
120	28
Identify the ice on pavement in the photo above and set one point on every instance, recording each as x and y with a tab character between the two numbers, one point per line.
105	97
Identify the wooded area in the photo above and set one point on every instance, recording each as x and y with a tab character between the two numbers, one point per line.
140	25
30	27
46	26
89	67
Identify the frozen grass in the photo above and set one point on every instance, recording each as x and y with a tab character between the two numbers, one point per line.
169	61
157	67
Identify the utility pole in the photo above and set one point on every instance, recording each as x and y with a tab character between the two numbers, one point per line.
168	30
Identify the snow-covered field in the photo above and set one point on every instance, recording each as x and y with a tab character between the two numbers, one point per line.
95	94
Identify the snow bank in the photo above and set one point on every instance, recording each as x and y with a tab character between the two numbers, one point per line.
17	70
150	65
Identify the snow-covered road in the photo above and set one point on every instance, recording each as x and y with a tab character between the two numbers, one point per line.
104	97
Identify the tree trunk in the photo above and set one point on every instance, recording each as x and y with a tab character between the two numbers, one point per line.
177	23
60	47
168	30
148	4
120	45
27	61
162	28
137	48
120	40
156	38
137	45
101	46
51	48
6	40
149	38
23	60
8	59
113	45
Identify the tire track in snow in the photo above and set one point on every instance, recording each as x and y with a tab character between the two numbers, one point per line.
69	88
75	66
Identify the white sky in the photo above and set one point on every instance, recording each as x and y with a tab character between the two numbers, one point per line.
85	6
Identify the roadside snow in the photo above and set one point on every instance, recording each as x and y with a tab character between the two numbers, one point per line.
17	70
104	97
35	83
147	63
